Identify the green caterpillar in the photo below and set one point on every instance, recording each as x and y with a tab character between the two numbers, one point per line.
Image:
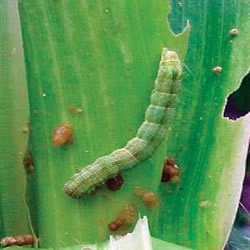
150	134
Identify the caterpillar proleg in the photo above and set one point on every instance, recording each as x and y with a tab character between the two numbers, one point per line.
149	135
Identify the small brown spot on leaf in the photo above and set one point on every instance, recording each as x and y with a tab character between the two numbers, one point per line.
19	240
125	218
148	198
170	171
28	162
62	134
234	32
75	110
217	69
115	183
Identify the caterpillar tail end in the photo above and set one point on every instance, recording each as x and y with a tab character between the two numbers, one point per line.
74	192
79	184
71	191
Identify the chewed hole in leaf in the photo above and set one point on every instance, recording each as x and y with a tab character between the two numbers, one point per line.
238	102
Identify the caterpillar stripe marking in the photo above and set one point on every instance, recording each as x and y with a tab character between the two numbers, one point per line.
150	134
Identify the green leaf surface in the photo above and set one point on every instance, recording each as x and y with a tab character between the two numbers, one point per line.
212	146
102	57
13	119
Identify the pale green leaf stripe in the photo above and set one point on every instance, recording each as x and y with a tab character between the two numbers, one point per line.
13	118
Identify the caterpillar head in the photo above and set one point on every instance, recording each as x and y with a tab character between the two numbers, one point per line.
171	60
169	56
